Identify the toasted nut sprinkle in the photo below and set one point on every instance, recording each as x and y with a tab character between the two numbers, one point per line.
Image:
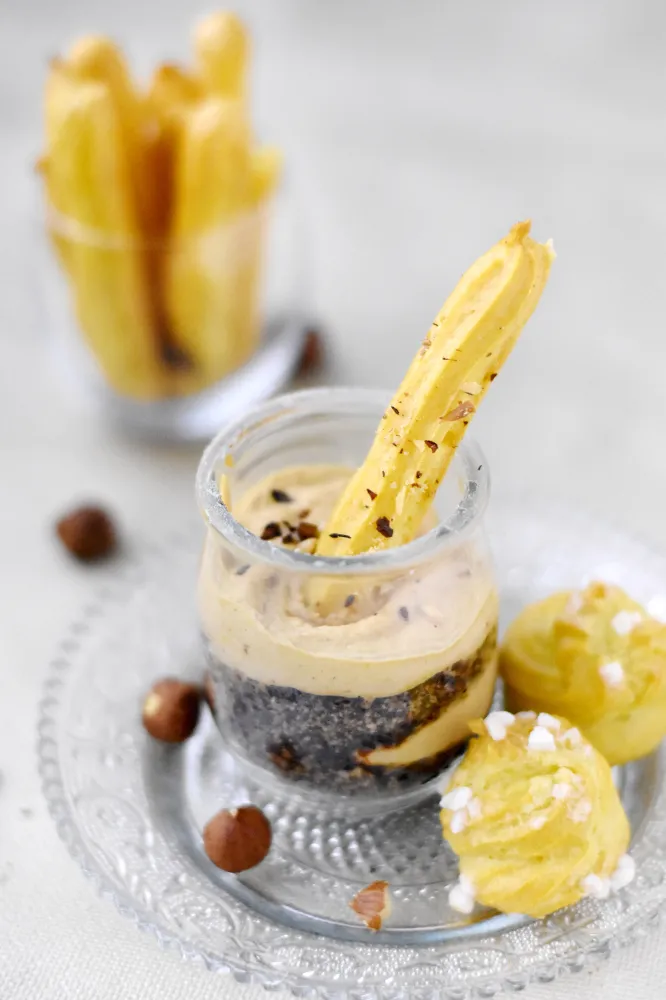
280	496
383	527
460	411
306	529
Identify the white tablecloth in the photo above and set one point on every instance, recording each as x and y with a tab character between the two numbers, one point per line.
419	131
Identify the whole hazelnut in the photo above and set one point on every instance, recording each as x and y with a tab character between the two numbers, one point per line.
237	839
171	710
88	533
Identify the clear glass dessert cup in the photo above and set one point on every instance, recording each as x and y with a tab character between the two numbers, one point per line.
170	337
372	703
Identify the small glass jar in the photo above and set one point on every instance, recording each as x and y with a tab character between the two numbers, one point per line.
171	339
373	702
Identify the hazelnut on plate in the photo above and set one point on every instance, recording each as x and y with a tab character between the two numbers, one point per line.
88	533
171	710
237	839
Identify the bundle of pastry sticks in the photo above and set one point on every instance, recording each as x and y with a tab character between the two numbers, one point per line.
156	209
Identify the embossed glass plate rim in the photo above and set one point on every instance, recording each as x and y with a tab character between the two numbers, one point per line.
589	943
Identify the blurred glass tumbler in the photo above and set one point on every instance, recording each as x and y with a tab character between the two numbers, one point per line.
372	704
173	338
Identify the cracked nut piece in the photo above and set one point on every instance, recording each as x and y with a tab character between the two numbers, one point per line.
171	710
88	533
373	904
237	839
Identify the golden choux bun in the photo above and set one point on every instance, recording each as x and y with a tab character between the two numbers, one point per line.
596	657
534	817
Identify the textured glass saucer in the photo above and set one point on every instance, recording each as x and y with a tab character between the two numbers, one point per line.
131	811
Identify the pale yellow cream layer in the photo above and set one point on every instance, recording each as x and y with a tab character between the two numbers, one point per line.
393	636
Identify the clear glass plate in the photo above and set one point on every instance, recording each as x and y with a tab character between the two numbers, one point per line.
131	811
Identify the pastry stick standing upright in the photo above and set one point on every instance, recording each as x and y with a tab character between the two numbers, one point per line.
469	340
97	59
87	177
171	92
222	51
210	244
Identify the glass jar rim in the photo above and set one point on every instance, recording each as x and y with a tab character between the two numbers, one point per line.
343	400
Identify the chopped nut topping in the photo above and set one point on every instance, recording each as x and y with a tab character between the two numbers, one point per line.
384	527
418	474
373	904
460	411
289	539
280	496
493	376
272	530
432	445
371	494
306	529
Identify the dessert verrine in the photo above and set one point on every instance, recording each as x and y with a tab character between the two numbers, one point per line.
378	693
347	595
